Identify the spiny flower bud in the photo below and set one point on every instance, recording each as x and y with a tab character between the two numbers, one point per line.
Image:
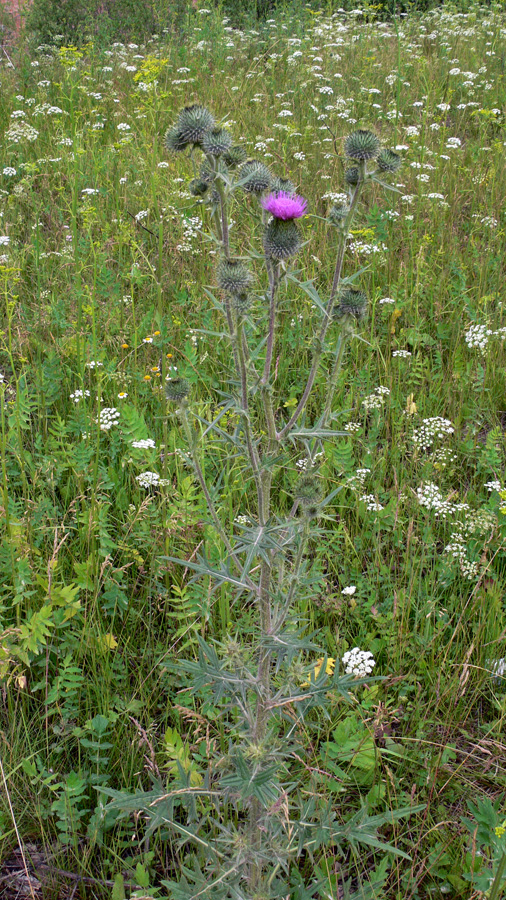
255	176
282	185
233	276
173	140
352	305
362	144
193	122
235	156
197	187
241	303
352	176
338	214
207	174
216	141
177	389
307	490
282	239
388	161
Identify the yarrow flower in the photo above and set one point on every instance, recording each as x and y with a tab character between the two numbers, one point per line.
285	206
144	444
358	662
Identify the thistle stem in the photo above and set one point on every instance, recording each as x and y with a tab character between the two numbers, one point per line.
318	352
273	272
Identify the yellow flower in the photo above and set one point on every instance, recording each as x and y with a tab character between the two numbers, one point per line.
329	669
156	333
147	378
124	346
500	830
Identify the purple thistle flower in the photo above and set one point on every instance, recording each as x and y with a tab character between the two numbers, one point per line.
284	206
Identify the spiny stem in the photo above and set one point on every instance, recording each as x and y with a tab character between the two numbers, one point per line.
273	272
318	352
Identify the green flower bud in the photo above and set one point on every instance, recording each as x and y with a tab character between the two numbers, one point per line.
235	156
352	176
233	276
282	239
173	140
283	185
257	175
241	303
307	490
388	161
197	187
351	306
338	214
177	389
193	122
216	142
362	144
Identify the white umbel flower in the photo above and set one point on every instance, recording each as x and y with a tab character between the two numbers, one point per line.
358	662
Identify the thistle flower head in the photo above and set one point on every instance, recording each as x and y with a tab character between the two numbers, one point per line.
284	206
282	184
281	239
173	140
233	276
198	187
235	156
362	144
193	122
216	141
255	176
352	305
177	389
352	176
388	161
338	213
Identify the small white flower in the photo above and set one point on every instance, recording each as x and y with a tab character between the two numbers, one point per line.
4	240
78	395
349	591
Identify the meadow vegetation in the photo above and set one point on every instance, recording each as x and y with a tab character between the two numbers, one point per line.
114	360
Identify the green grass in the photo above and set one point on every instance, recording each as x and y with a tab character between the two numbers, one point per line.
89	610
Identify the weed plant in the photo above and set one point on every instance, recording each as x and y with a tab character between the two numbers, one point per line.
108	285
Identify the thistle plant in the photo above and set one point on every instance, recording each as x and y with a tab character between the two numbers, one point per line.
245	828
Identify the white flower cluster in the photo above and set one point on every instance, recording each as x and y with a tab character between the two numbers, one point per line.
358	662
403	354
109	416
352	427
21	131
302	464
78	395
444	457
386	300
356	482
431	429
377	399
145	444
371	503
457	549
94	364
148	479
477	336
493	486
349	591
